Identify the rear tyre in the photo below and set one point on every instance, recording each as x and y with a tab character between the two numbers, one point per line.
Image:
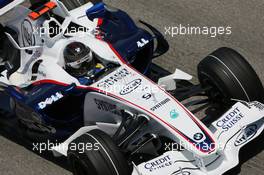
230	76
102	158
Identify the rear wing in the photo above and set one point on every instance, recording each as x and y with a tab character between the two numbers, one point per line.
7	5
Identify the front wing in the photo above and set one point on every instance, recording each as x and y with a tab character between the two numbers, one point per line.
236	128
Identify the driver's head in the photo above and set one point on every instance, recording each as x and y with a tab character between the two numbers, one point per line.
78	59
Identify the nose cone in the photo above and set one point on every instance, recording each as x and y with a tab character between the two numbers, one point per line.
146	97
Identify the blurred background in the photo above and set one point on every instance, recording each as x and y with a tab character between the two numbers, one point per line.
246	19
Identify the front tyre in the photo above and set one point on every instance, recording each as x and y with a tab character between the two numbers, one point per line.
230	76
100	156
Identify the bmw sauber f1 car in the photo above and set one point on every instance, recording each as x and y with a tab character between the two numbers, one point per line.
96	86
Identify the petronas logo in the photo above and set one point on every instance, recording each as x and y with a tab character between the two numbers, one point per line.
174	114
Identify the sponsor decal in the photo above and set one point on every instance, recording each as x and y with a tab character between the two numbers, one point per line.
181	173
159	164
147	96
112	80
159	105
245	135
50	100
258	105
142	43
174	114
130	87
198	136
107	107
230	120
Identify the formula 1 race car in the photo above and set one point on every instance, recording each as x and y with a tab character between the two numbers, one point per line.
80	73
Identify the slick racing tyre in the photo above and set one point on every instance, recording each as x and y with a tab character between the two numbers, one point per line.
100	156
230	76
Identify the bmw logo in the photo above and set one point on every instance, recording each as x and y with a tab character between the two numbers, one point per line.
198	136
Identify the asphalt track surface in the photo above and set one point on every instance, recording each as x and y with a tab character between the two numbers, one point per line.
246	19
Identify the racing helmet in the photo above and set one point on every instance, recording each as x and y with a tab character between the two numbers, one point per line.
78	59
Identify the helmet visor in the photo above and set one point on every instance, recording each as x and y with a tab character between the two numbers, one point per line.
77	64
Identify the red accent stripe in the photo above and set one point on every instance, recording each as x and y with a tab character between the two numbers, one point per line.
47	7
100	22
51	5
47	81
117	54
